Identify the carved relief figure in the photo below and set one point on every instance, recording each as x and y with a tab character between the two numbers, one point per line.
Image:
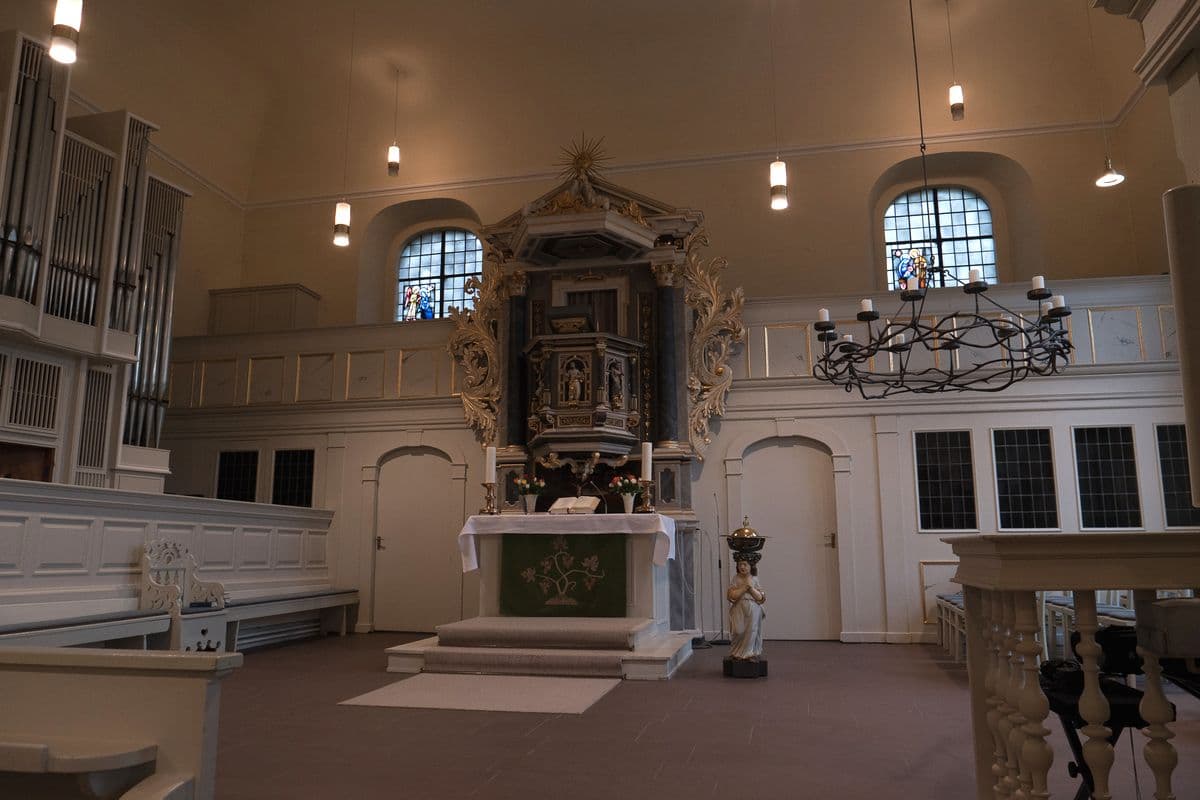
616	385
746	612
573	381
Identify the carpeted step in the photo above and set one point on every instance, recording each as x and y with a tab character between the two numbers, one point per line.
578	633
524	661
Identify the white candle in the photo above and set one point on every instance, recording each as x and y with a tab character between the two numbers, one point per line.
899	339
1038	283
1058	301
822	315
489	465
866	305
647	461
1046	307
848	338
976	276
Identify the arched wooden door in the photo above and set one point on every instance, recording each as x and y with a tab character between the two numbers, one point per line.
418	573
788	492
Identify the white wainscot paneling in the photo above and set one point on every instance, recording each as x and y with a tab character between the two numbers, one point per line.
61	546
183	534
787	351
266	380
181	384
255	549
1116	335
314	549
419	372
364	376
289	545
12	537
1168	333
219	383
216	547
121	547
315	380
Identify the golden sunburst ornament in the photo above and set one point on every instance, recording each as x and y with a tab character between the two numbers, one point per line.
584	158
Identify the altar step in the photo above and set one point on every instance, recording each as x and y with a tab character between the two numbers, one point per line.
653	658
572	633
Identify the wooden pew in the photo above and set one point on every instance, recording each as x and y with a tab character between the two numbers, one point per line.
113	723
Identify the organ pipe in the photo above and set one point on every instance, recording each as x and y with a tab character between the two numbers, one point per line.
76	251
28	164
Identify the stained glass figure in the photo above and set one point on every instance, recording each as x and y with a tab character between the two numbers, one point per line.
433	271
950	226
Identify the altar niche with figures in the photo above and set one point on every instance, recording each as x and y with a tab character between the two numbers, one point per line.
598	333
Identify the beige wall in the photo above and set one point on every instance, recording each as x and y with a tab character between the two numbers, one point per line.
251	100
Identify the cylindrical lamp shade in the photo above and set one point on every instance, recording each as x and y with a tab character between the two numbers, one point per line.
394	159
779	195
341	224
957	102
68	16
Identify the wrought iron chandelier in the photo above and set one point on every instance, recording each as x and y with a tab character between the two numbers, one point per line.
985	349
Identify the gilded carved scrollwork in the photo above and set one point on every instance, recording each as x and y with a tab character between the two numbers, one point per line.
474	345
718	329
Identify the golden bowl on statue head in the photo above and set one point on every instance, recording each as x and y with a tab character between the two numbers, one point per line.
745	539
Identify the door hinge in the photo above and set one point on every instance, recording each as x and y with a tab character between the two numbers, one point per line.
379	543
831	540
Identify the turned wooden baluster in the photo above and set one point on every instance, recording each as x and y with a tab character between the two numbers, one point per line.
994	685
1159	752
1093	705
1011	724
1036	753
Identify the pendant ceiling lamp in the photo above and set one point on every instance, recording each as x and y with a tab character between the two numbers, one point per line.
64	36
341	211
1111	176
957	98
984	348
778	171
393	151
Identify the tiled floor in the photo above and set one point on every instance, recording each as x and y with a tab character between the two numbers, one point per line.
832	721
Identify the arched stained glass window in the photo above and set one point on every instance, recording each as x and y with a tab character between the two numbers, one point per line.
951	227
432	273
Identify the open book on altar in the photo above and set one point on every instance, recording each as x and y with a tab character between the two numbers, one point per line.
575	505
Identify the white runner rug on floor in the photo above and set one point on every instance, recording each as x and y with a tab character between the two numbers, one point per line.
539	695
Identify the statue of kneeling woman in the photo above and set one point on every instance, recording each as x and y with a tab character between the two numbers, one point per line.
746	611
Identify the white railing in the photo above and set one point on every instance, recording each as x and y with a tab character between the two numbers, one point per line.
73	550
1001	575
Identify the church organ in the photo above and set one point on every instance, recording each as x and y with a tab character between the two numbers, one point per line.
89	249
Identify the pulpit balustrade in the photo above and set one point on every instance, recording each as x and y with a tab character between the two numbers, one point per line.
1001	575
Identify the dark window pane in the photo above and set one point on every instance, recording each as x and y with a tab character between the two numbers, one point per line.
1104	460
945	480
1025	479
1176	478
237	475
293	481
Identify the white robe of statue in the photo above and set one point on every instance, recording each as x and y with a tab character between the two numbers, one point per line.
746	614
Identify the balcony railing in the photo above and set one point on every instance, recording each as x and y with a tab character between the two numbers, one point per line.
1001	575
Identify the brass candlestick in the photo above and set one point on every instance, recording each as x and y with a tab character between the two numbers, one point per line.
645	506
489	498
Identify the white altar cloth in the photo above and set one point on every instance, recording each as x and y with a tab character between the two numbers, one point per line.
656	525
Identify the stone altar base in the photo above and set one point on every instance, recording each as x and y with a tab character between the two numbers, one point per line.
738	668
600	647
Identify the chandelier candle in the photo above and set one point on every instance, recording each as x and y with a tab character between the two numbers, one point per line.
1003	347
822	315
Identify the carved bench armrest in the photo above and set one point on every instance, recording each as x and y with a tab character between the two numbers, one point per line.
210	592
159	597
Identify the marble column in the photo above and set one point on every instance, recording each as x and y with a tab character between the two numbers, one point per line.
516	400
670	360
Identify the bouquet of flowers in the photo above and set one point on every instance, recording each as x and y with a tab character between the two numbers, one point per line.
624	484
529	484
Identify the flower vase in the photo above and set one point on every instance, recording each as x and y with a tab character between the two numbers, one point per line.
627	501
530	502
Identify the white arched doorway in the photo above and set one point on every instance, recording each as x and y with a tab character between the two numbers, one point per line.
787	489
418	572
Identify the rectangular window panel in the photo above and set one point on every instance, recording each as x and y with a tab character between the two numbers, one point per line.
1108	491
945	481
293	481
1176	478
237	475
1025	489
